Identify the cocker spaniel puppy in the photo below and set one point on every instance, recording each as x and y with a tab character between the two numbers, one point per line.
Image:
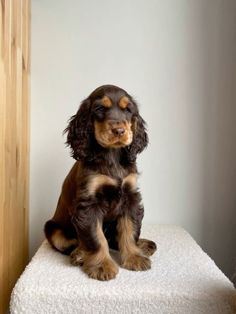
100	205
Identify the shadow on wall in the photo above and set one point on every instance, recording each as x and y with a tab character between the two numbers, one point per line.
219	185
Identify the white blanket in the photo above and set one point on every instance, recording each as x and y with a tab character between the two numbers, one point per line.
183	279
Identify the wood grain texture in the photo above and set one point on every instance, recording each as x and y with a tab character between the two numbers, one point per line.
14	142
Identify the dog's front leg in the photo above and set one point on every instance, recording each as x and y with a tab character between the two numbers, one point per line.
93	251
132	257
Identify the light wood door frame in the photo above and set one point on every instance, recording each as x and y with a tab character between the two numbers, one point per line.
14	142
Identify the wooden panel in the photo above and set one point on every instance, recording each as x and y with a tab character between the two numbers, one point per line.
14	142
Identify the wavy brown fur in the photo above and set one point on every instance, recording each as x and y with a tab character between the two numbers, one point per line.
100	189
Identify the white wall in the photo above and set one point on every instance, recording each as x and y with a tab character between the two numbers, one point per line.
178	58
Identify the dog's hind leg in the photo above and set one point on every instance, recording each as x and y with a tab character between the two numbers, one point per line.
59	238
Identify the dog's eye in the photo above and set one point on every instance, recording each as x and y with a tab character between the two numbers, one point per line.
99	108
128	109
99	111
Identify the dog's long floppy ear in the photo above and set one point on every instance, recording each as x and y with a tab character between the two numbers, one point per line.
140	138
79	131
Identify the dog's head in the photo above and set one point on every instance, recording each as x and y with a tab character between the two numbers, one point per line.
109	117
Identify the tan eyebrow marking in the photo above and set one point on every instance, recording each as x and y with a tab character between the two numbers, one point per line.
123	102
106	102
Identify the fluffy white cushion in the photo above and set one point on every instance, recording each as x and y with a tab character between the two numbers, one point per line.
183	279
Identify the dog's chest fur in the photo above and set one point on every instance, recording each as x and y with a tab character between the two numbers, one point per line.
110	183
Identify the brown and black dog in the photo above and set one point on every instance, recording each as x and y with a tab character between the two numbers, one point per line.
100	205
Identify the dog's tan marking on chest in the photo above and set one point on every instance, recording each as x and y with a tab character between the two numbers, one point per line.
131	180
97	180
106	102
123	102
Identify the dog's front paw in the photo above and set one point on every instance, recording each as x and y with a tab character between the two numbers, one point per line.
136	262
76	257
148	247
106	270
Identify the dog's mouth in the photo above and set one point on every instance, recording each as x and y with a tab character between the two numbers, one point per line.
110	137
114	142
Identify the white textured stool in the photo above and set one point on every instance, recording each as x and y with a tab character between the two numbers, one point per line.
183	279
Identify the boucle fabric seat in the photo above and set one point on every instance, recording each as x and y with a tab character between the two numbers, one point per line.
183	279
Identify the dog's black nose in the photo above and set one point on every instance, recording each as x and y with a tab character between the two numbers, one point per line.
118	131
